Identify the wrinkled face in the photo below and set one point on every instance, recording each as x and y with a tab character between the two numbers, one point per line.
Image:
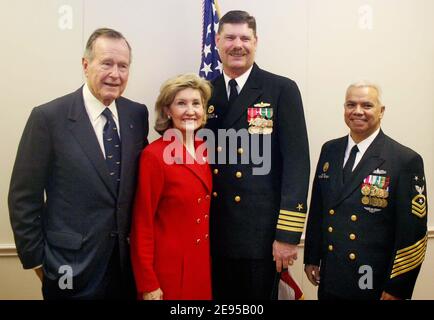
186	110
363	112
237	47
107	72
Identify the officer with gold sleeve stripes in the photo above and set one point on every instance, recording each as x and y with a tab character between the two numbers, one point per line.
366	233
255	216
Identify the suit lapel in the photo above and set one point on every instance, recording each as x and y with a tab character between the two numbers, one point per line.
199	170
127	141
81	128
220	97
371	160
337	157
248	95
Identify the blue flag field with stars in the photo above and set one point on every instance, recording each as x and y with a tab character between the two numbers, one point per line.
211	66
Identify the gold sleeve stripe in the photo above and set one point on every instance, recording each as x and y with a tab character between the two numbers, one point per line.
290	223
408	261
293	214
407	268
411	253
409	258
412	246
292	218
280	227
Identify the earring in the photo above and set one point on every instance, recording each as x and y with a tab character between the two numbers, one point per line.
168	117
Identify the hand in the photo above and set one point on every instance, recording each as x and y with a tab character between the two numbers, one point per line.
284	254
153	295
312	273
40	273
388	296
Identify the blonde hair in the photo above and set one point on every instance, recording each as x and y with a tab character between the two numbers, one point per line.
168	92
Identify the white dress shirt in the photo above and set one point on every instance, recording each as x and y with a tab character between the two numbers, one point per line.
241	81
94	109
363	146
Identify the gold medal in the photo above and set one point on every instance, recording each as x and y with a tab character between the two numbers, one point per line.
380	193
366	190
365	200
386	194
385	203
374	202
373	192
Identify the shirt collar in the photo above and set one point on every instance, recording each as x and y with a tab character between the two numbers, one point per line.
241	80
362	145
94	107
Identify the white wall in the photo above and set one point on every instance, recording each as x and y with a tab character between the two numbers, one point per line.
322	45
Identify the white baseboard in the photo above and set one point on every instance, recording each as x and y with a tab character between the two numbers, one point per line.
9	250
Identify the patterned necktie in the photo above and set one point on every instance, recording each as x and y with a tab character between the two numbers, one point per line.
233	94
112	146
348	168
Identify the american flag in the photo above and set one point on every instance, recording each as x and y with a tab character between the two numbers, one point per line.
211	66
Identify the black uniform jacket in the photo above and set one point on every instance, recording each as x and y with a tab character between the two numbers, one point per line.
252	209
368	235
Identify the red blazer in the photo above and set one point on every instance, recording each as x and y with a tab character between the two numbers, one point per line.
170	226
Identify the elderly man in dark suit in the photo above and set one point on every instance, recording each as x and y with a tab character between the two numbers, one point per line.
257	216
366	233
74	179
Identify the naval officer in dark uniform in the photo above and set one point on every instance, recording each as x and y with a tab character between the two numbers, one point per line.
257	217
366	233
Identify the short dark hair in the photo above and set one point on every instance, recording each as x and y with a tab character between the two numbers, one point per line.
102	32
238	17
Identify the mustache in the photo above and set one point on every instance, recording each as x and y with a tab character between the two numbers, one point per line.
238	51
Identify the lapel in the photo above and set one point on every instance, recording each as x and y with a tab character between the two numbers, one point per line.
248	95
371	160
336	156
220	97
127	141
81	128
199	170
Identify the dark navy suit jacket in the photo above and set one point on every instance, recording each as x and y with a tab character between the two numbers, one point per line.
63	205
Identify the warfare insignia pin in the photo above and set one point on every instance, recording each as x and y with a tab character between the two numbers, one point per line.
372	210
262	105
378	171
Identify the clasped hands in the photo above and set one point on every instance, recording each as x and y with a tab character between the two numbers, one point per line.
153	295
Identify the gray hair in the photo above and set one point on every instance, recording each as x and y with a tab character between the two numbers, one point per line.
106	33
366	84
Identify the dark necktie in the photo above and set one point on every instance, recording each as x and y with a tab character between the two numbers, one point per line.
233	94
348	168
112	146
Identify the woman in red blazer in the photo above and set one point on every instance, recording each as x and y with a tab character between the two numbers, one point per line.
170	228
